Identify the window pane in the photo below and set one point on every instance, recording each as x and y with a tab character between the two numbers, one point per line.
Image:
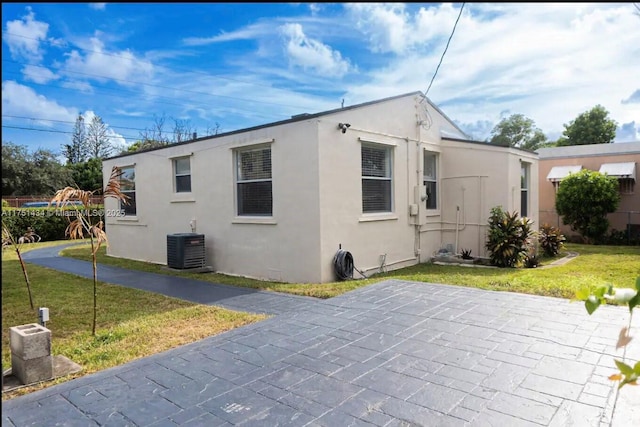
376	162
430	165
127	179
255	198
524	195
182	166
524	176
376	195
183	184
432	196
254	164
129	207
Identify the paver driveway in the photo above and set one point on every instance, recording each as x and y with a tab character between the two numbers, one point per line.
394	353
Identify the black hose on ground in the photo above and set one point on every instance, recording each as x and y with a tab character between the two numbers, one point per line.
343	265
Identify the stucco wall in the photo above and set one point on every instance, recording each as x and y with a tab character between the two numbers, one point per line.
317	195
282	247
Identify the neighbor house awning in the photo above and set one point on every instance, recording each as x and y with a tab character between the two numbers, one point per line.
558	173
620	170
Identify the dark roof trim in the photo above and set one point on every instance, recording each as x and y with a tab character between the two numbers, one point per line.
296	118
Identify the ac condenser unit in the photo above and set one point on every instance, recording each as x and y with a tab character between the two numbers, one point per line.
185	250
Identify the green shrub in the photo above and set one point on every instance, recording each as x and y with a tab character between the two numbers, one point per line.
5	204
509	238
466	254
551	240
49	223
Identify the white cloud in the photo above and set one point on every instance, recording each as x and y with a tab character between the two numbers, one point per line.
391	28
246	33
38	74
99	64
98	6
312	54
549	63
23	36
19	100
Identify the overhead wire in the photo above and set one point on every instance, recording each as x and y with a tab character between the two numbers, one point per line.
445	50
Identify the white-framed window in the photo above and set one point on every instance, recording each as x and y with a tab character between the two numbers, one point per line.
377	178
182	175
524	189
254	181
128	188
430	178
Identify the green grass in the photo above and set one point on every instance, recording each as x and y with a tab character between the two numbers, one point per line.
595	265
130	323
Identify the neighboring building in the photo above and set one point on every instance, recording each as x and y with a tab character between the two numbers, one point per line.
391	181
620	159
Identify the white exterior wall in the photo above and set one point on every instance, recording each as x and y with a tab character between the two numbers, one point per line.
476	178
283	247
317	195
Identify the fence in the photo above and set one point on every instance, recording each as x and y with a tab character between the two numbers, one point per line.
625	222
17	201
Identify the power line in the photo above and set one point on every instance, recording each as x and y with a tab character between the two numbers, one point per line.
64	121
66	132
445	49
159	86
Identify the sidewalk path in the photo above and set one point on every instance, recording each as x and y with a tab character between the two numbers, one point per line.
394	353
201	292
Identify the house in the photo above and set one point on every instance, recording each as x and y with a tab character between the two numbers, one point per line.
620	160
390	181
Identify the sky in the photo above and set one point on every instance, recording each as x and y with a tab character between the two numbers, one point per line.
229	66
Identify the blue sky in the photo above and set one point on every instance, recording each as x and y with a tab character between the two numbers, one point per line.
236	65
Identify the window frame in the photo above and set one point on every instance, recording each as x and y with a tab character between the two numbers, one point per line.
525	186
389	172
431	179
129	208
238	182
176	175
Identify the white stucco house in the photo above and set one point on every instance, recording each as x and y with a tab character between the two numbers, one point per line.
390	181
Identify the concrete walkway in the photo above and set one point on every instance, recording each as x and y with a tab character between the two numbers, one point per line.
395	353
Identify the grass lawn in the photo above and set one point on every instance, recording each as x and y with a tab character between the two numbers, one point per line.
595	265
130	323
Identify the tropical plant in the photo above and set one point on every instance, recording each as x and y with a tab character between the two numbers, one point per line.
551	240
84	225
466	254
509	237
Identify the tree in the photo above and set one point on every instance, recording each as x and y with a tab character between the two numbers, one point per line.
583	201
98	143
517	131
77	151
88	175
591	127
14	161
37	173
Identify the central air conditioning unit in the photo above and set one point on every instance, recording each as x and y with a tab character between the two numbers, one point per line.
185	250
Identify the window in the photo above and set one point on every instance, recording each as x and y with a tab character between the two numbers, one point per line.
128	188
376	178
182	174
626	185
524	189
431	179
253	181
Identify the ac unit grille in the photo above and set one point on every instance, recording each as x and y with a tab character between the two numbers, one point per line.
185	250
